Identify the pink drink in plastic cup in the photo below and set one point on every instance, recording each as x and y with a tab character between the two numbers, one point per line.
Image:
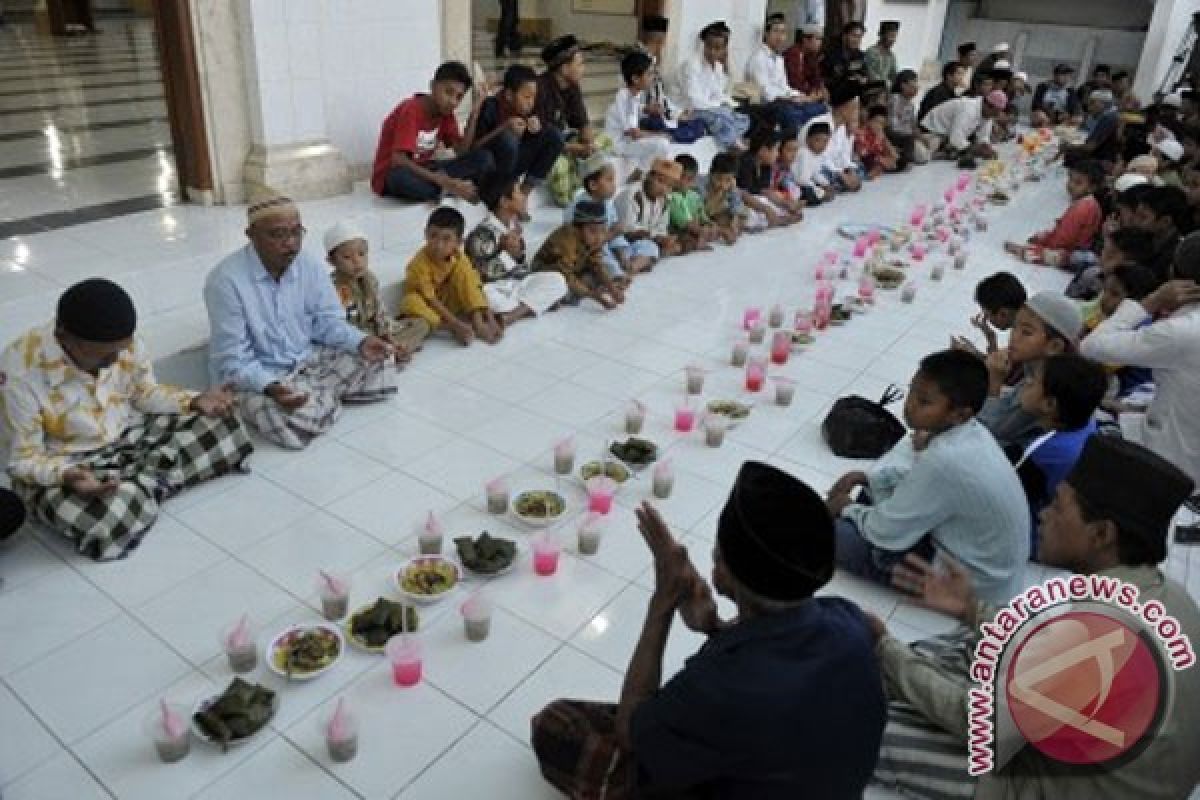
685	419
545	556
404	653
755	375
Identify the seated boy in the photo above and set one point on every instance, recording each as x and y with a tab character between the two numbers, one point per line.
1122	247
1000	297
642	211
577	251
1063	393
442	287
411	134
507	126
723	200
754	180
872	146
783	190
1047	324
948	487
624	117
497	249
622	258
358	289
841	168
808	168
685	209
1075	230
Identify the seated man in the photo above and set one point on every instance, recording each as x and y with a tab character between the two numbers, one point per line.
1056	98
766	69
97	443
803	63
1162	332
280	337
958	127
947	487
1110	517
779	703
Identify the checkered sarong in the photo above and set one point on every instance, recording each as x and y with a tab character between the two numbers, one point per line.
916	757
330	378
153	460
576	746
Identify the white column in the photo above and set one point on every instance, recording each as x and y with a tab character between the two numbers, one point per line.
1171	20
289	144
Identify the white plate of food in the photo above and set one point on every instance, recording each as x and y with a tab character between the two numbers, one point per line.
303	652
427	579
539	508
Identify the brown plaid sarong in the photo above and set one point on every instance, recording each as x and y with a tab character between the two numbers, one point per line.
576	746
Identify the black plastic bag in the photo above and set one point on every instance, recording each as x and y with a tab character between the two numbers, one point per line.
860	428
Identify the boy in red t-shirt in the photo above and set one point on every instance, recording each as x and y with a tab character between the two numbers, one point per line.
404	160
872	146
1075	230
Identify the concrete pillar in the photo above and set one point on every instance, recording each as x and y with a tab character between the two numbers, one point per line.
289	145
1171	21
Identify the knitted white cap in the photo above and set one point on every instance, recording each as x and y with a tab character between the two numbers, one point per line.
345	231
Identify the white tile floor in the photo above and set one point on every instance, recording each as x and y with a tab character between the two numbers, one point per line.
88	649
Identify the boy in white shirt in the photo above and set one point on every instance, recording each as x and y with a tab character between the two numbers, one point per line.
765	69
642	210
624	118
808	168
841	169
706	87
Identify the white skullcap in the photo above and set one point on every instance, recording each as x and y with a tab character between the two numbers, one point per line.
1128	181
345	231
1171	149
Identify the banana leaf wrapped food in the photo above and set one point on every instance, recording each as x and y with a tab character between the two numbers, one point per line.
375	625
486	554
242	710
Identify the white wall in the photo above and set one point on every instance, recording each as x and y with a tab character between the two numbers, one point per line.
1170	22
688	17
619	28
1130	14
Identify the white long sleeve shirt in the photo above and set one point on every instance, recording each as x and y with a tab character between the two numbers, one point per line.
705	85
839	156
766	70
1170	347
958	120
625	113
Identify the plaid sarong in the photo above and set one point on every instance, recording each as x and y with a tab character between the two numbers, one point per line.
153	460
916	757
330	378
577	751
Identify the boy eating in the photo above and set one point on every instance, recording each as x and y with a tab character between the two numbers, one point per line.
685	209
1063	393
723	200
576	250
497	249
947	487
999	297
1046	325
442	287
642	211
754	180
358	289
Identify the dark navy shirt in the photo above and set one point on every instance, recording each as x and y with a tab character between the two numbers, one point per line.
785	706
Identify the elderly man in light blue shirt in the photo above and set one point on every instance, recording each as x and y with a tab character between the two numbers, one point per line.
280	336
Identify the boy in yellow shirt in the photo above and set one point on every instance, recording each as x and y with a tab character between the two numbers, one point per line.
442	287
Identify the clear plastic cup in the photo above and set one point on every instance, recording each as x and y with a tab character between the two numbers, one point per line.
695	379
546	550
685	419
404	654
785	391
635	418
908	293
775	316
241	647
564	457
664	480
741	349
714	430
477	618
335	596
960	259
601	489
429	542
938	271
758	333
781	347
174	743
755	375
341	735
591	531
497	499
